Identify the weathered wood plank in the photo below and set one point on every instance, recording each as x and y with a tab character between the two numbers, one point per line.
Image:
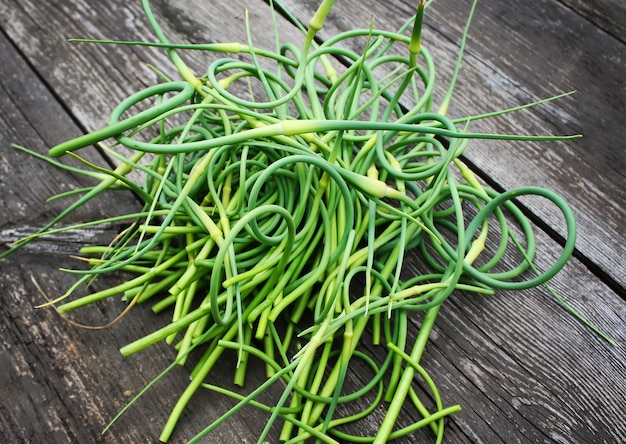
609	15
523	370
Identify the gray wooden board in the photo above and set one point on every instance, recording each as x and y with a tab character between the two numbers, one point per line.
523	370
609	15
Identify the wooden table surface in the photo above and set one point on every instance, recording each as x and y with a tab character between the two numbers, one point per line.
522	369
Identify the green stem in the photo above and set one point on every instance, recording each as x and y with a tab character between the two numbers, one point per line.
406	380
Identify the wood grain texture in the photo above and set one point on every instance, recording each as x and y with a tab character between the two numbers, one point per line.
522	369
608	15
